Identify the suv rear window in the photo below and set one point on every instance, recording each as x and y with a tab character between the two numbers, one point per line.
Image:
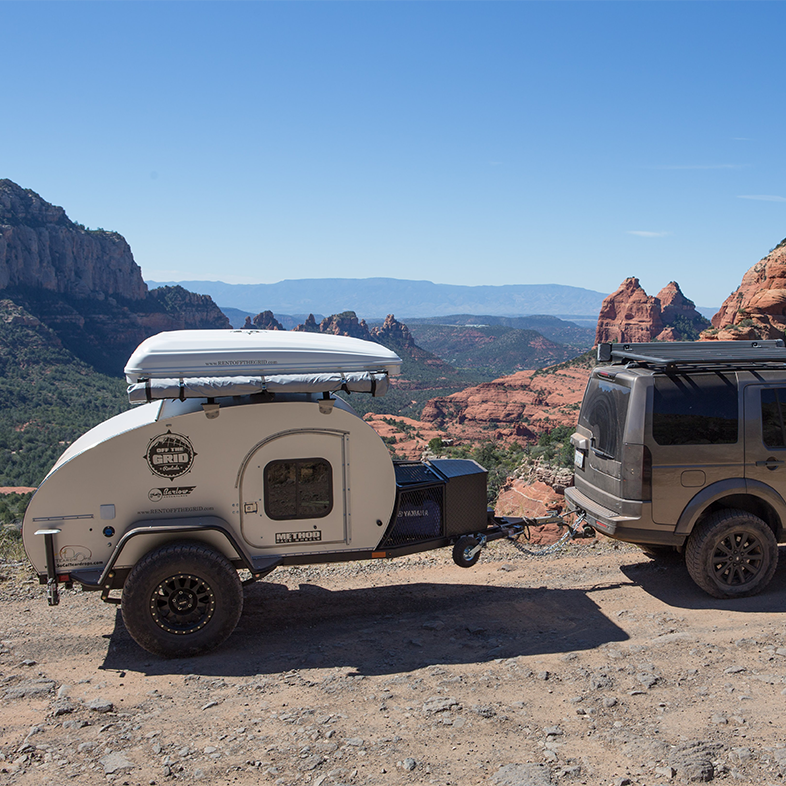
603	412
695	409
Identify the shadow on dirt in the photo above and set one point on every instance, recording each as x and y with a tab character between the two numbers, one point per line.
385	630
667	580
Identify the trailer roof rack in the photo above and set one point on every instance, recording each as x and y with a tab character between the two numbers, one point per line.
711	354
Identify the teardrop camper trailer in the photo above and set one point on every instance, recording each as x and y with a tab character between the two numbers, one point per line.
240	456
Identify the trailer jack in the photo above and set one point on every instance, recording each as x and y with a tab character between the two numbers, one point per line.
52	592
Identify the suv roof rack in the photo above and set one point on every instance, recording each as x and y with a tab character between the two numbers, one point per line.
695	353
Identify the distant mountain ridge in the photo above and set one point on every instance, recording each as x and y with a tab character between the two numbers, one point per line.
375	298
553	328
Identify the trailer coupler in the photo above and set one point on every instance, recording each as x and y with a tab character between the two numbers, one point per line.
572	531
466	550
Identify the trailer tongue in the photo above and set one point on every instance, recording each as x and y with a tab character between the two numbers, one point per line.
228	466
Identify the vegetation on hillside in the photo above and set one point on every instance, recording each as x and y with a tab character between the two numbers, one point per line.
13	506
48	398
586	360
501	461
492	350
423	376
553	328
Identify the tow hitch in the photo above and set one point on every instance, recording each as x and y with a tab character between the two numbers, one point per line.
467	549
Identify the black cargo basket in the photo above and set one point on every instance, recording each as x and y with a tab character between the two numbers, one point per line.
438	499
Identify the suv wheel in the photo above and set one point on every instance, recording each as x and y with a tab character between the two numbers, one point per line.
732	554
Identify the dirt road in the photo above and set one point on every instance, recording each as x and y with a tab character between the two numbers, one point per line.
595	667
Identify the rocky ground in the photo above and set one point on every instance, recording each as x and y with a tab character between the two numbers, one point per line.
598	666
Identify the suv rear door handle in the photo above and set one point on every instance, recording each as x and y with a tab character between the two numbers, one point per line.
770	463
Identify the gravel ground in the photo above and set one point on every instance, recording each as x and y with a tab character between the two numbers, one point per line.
597	666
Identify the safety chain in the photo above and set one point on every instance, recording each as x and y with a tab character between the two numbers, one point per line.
570	532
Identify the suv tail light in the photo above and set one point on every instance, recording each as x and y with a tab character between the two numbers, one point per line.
646	474
636	472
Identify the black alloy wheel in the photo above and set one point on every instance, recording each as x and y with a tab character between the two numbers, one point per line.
182	599
732	554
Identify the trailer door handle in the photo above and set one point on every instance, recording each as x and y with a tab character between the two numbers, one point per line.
770	463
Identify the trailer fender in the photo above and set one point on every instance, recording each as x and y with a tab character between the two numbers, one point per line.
142	537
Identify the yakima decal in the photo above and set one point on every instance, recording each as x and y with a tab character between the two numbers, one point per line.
170	455
154	495
299	537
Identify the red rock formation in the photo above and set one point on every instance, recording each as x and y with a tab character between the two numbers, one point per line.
757	308
406	436
393	334
527	499
85	285
309	326
345	324
266	320
41	247
517	408
629	314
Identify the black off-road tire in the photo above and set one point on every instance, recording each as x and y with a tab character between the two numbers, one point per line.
461	550
182	599
732	554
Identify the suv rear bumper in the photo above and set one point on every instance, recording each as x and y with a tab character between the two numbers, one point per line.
632	528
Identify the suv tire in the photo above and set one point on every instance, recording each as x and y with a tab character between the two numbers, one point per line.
181	599
731	554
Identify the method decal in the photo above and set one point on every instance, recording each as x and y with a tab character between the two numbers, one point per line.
299	537
154	495
170	455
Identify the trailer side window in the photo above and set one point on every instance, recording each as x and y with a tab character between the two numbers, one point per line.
298	489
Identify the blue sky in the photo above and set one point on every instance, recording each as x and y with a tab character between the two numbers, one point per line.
468	143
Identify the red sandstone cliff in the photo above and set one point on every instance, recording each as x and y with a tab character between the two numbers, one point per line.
631	315
41	247
517	408
266	320
757	308
394	334
85	285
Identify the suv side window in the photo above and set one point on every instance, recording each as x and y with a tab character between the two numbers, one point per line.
773	401
695	409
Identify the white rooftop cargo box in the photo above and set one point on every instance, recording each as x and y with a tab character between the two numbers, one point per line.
203	353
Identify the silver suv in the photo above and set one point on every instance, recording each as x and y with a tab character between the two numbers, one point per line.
683	445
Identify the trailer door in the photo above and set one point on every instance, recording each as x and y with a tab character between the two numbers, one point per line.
294	491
